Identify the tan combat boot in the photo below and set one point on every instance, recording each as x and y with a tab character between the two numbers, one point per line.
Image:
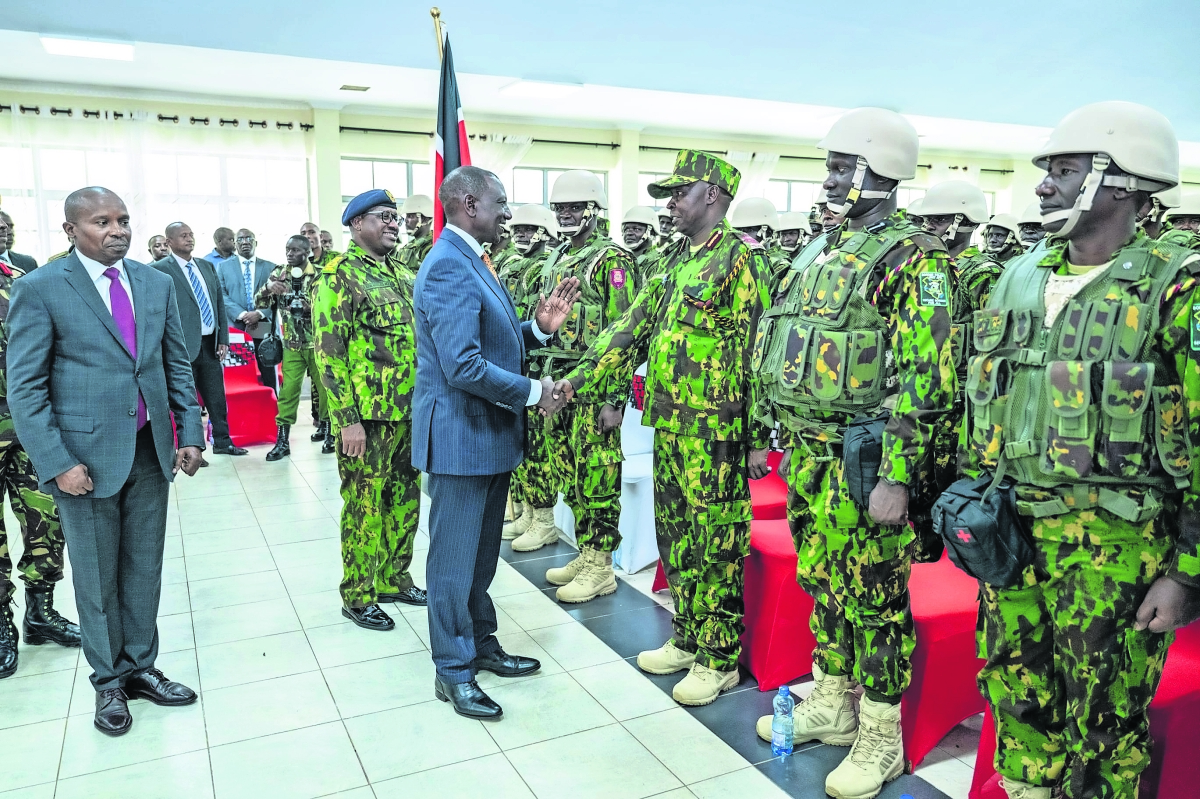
541	531
565	574
1023	790
596	578
876	758
703	685
827	715
667	659
518	526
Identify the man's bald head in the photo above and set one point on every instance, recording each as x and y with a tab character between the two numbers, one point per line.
98	224
80	201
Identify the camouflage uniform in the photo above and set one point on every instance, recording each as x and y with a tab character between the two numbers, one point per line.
1007	254
502	258
646	266
41	563
1114	500
1182	238
693	325
780	262
575	457
893	293
413	253
366	350
299	357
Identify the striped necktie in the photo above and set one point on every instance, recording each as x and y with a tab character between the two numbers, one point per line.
249	284
206	314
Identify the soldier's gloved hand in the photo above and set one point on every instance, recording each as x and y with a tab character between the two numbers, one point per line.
784	464
889	504
354	440
757	464
611	417
1168	606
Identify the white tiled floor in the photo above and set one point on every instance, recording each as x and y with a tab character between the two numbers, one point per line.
297	702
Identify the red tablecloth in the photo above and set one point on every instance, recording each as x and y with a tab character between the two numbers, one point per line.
777	645
251	406
1174	769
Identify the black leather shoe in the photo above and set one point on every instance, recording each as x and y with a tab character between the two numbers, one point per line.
112	713
321	431
371	617
503	664
468	699
409	596
44	624
229	449
283	445
330	445
8	641
152	686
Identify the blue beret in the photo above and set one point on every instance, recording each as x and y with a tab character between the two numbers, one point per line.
365	202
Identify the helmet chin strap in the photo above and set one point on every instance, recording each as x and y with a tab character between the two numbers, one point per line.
1087	194
538	236
856	191
1155	217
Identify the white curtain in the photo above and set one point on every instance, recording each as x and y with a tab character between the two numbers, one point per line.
500	154
756	169
207	176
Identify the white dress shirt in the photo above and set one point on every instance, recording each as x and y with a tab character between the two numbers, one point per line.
535	388
185	265
95	271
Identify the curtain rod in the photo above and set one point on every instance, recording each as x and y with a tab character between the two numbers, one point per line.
142	116
483	136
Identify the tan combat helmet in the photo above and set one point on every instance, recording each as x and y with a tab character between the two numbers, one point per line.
535	216
1136	139
643	215
756	215
1008	223
884	142
1160	203
958	198
793	220
913	211
1032	215
579	186
1189	205
418	204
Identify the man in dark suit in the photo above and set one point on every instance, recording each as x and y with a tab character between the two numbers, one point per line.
241	278
26	263
205	327
97	370
471	398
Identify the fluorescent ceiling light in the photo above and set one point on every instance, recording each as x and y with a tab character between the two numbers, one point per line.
347	87
540	90
87	48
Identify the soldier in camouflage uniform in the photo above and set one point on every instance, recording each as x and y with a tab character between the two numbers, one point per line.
583	442
1183	223
292	303
320	255
366	350
863	332
639	233
41	564
694	325
1002	238
757	218
502	252
1030	223
535	234
1085	393
794	233
418	221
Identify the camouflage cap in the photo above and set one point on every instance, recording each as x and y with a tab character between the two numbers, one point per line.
694	165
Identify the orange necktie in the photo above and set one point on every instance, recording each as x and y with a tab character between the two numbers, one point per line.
487	261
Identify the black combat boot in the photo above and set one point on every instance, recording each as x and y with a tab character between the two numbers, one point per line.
330	445
44	624
8	640
321	431
282	447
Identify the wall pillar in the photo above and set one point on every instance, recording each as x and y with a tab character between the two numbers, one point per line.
327	171
623	193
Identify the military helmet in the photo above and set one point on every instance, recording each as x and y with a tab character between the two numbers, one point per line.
884	142
1189	205
578	186
663	212
754	212
418	204
536	216
914	209
1032	215
642	215
954	198
1138	140
793	220
1008	223
1160	203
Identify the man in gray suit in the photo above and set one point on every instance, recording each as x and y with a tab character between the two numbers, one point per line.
241	278
205	327
97	371
26	263
468	421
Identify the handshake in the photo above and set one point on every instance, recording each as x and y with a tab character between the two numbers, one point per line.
555	396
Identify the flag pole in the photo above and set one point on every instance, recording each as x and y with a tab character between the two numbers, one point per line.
436	13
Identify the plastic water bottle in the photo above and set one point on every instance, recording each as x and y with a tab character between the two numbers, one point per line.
781	725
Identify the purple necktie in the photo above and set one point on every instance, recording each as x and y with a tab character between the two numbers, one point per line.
122	312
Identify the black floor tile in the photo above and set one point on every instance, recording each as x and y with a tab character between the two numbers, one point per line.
633	631
557	548
534	569
732	718
803	774
625	599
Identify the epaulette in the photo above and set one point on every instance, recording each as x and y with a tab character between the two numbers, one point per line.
750	241
714	239
333	265
927	242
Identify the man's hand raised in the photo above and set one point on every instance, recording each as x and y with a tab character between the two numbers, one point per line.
552	311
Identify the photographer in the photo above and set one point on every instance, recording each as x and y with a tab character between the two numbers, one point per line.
288	293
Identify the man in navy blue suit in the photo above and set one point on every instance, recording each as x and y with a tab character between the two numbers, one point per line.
469	411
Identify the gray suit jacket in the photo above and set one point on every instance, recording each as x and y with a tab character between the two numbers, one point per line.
229	272
189	309
73	384
471	389
26	263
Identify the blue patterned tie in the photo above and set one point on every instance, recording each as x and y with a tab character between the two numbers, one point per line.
249	283
206	313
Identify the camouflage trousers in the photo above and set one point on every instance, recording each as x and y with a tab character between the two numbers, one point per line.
857	573
41	564
382	496
1068	679
702	521
576	458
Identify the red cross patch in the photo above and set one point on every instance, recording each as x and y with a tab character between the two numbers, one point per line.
964	536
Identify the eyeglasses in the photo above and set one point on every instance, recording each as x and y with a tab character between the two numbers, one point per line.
386	217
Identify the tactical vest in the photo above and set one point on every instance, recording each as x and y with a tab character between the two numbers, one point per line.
584	323
822	345
974	269
1084	409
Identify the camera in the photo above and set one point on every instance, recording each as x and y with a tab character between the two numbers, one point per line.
297	293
